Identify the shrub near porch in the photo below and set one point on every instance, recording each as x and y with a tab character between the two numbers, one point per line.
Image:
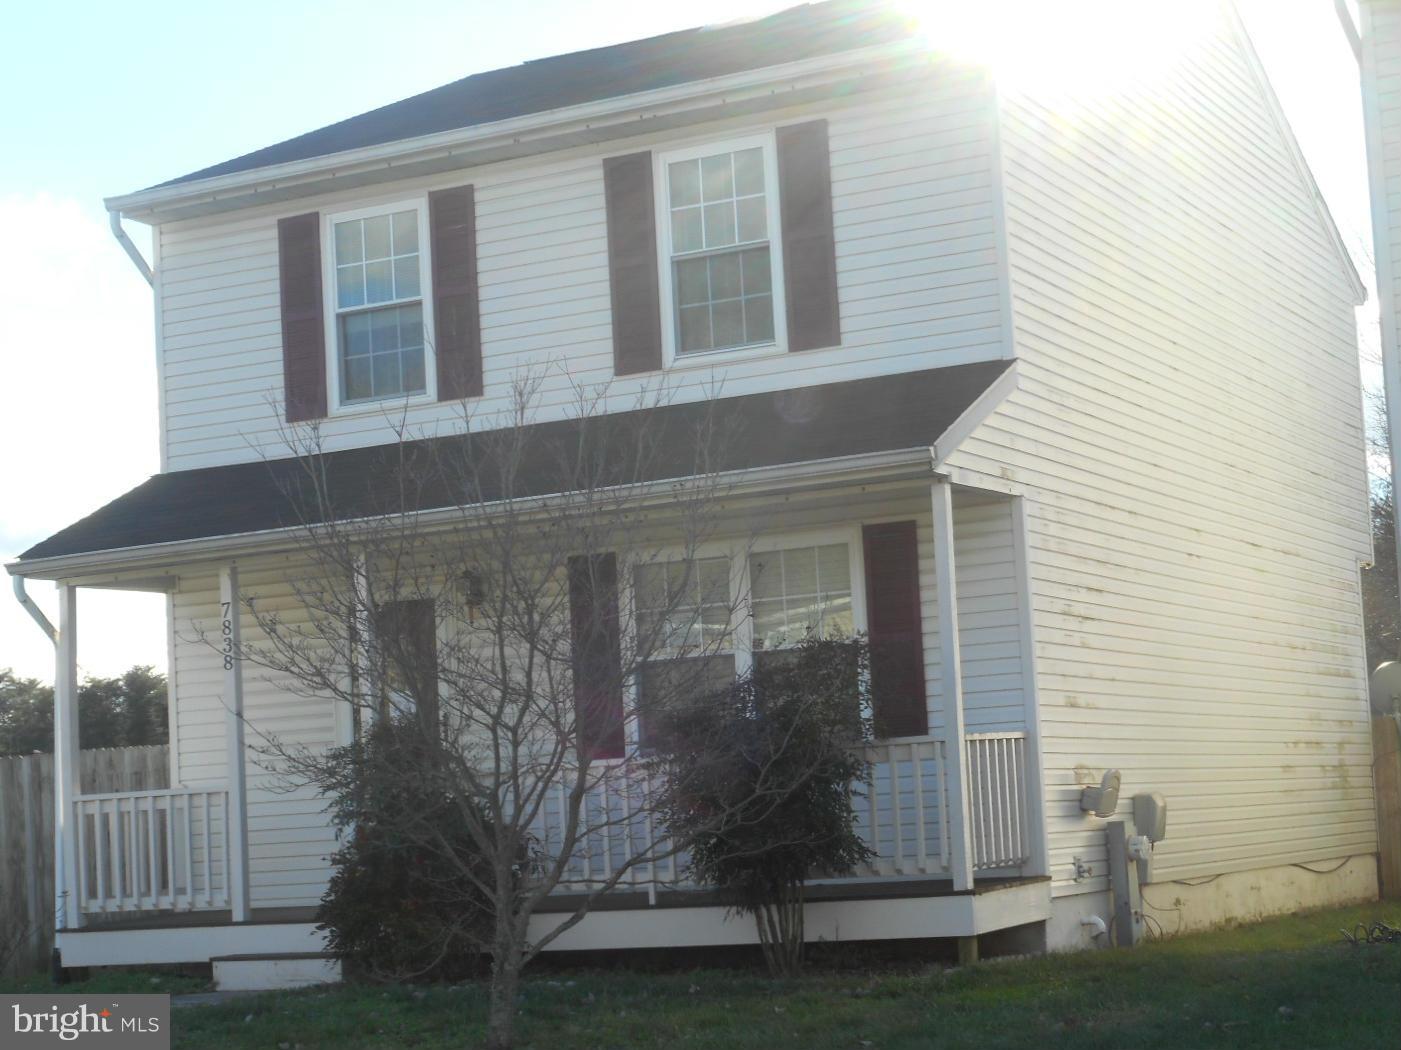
1285	983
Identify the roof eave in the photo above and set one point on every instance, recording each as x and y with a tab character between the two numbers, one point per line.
615	117
892	465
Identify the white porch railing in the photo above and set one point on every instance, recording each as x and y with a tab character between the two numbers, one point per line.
169	850
617	815
903	815
998	797
152	851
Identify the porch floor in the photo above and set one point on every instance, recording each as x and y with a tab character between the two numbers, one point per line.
620	900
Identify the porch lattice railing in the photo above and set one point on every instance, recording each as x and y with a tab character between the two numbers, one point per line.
152	851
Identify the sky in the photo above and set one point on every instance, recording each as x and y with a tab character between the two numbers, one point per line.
103	99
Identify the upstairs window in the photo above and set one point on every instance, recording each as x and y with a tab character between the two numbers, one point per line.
720	233
378	274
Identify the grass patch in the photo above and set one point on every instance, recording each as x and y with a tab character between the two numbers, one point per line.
113	982
1287	982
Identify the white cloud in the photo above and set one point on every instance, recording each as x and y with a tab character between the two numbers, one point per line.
78	423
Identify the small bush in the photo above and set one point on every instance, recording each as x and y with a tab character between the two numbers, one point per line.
783	784
405	899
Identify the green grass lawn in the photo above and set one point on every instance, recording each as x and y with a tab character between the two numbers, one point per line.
1289	982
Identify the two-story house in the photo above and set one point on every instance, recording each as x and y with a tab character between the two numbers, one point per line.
1063	390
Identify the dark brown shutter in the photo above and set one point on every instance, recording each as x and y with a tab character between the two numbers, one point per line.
408	640
452	217
303	324
632	263
593	615
895	628
809	247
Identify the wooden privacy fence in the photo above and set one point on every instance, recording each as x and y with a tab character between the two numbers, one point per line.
27	840
1386	776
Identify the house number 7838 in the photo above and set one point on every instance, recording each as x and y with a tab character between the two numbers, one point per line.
226	629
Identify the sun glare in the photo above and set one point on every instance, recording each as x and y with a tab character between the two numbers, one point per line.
1070	47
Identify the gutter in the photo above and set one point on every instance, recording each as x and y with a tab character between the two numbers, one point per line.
22	596
114	219
1349	28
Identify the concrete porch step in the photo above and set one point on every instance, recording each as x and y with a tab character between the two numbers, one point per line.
264	973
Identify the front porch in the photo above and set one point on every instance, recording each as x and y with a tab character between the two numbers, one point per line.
957	830
149	853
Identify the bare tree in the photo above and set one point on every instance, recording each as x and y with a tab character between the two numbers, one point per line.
521	601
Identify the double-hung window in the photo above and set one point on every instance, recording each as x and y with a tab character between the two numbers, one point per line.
378	274
784	594
683	625
721	247
797	593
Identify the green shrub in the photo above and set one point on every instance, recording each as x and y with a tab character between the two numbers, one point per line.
405	899
772	805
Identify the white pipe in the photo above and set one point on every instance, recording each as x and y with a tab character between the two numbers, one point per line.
1094	921
1349	28
114	219
22	596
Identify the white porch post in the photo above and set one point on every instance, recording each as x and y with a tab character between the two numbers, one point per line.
367	691
237	830
67	770
1035	783
951	674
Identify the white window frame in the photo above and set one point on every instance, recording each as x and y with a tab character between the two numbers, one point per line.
662	201
743	631
335	402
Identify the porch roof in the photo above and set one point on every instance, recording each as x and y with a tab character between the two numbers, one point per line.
910	410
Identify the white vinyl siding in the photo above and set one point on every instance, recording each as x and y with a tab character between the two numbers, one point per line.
916	275
1188	433
289	838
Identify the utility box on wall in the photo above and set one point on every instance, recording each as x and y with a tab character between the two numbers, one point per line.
1150	816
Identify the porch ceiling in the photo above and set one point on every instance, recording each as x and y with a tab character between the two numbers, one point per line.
906	411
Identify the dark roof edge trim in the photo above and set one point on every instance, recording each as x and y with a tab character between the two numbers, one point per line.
144	203
883	466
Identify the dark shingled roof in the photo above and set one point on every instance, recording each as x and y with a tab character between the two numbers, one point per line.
589	76
885	413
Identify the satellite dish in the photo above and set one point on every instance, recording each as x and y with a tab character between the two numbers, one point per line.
1384	687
